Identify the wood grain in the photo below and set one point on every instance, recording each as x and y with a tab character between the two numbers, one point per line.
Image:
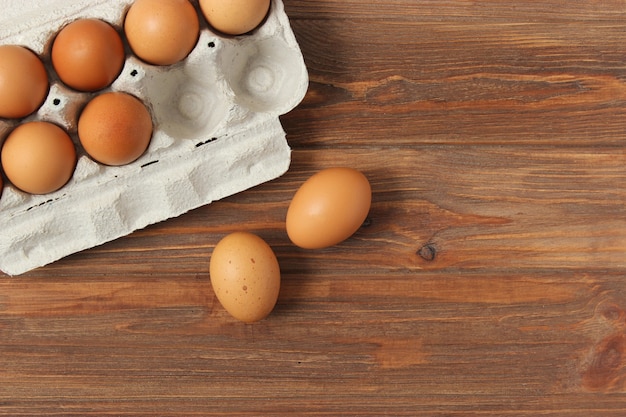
488	279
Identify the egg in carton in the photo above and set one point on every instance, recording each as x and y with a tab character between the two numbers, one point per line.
216	131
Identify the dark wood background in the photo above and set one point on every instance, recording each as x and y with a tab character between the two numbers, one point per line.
488	280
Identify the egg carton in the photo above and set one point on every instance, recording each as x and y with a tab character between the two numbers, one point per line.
216	131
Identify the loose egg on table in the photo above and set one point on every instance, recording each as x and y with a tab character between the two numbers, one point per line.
162	32
88	54
234	17
328	208
115	128
38	157
23	81
245	276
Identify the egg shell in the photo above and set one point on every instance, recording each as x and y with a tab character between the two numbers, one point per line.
115	128
234	17
328	208
23	81
245	276
88	54
162	32
38	157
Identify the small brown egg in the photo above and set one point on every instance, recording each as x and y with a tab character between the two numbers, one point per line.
245	276
23	81
88	54
162	32
328	208
234	17
115	128
38	157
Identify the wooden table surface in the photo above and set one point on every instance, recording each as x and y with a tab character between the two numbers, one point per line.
488	280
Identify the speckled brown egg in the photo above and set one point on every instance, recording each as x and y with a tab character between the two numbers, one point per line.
115	128
23	81
162	32
245	276
328	208
88	54
38	157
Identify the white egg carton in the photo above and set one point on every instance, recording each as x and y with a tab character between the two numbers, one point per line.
217	131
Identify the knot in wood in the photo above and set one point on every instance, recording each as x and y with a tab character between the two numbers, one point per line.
606	364
428	252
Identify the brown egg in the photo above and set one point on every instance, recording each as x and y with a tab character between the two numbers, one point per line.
162	32
88	54
115	128
38	157
245	276
234	17
23	81
328	208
